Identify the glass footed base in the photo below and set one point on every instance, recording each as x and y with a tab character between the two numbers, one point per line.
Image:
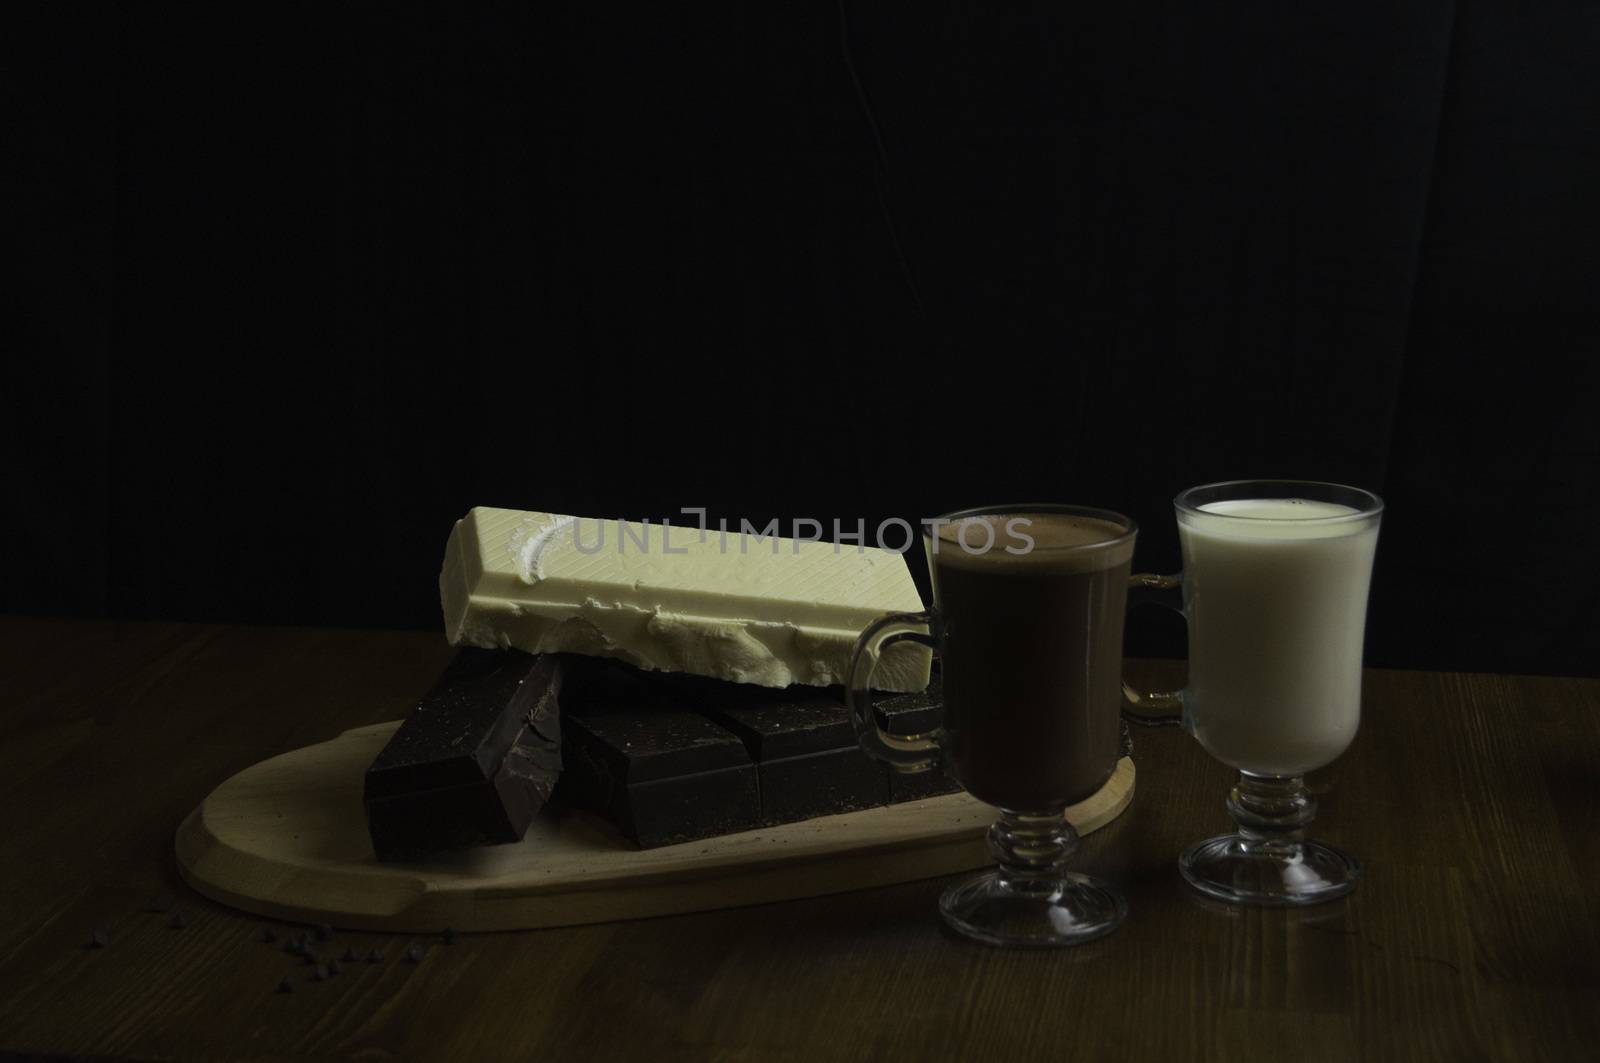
1049	912
1241	871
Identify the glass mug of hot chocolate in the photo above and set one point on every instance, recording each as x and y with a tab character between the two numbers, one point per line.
1274	586
1028	607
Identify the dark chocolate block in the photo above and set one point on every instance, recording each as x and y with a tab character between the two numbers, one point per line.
672	758
807	758
661	773
909	714
591	682
474	762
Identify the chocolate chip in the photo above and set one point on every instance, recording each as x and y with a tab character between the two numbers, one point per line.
292	947
99	939
269	935
449	935
374	956
351	955
162	903
286	985
178	921
415	953
319	973
324	932
333	968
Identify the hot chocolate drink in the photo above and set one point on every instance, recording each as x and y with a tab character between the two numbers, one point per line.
1032	652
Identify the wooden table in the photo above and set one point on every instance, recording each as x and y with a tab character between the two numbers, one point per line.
1473	799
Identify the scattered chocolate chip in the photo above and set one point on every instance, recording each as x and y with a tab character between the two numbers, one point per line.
324	932
333	968
178	921
319	973
269	935
99	939
415	953
286	985
162	903
292	947
351	955
449	935
374	956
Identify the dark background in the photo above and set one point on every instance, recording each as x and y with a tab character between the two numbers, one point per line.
294	287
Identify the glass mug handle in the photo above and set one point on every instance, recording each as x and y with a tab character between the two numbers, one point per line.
1154	708
906	753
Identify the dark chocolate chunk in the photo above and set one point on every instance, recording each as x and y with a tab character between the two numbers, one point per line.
635	753
415	953
790	722
474	762
161	903
449	935
99	939
319	973
588	683
324	932
912	714
806	754
351	955
334	968
820	784
639	745
663	774
309	958
269	935
374	956
178	921
286	984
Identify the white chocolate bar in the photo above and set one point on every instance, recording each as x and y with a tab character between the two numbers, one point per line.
767	611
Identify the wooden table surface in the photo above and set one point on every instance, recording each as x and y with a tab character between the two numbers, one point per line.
1474	801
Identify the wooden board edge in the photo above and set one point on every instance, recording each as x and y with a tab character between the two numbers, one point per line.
394	899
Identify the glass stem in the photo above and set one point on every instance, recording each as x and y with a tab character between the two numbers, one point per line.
1271	812
1030	848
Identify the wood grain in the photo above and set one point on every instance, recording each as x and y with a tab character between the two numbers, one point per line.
288	838
1474	801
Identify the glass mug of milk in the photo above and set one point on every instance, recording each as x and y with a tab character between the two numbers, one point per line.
1275	579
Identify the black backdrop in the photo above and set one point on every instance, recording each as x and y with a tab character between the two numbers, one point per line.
295	287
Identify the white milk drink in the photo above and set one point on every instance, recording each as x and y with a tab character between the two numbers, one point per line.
1275	590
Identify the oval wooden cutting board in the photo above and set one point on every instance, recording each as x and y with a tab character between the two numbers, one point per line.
288	838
